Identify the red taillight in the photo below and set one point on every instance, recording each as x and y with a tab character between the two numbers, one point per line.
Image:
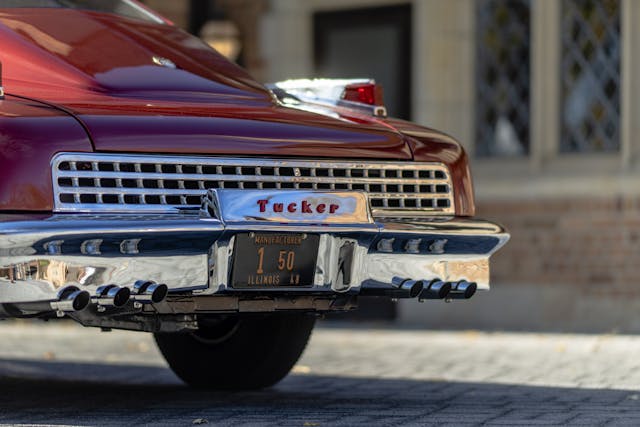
366	93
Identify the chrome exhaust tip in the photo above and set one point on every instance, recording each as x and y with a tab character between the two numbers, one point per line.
398	288
437	289
408	287
463	290
71	298
112	296
149	292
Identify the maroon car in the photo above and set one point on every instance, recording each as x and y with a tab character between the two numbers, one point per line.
147	183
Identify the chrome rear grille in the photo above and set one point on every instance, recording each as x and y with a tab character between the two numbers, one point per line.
168	184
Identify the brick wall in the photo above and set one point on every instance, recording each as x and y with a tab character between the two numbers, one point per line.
572	265
593	245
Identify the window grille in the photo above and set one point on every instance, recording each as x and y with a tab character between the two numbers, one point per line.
502	77
590	76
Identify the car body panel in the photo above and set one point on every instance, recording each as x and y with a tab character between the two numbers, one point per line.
206	105
74	54
159	112
31	133
428	144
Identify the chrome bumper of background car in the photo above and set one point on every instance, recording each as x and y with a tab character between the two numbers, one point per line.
39	257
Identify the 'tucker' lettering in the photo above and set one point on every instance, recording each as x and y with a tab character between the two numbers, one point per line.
305	207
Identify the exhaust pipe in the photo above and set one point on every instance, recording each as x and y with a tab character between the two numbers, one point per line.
149	292
112	296
399	288
463	290
437	289
71	298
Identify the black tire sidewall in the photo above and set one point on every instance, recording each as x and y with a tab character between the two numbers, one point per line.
258	353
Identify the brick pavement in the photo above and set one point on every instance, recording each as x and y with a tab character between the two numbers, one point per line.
64	374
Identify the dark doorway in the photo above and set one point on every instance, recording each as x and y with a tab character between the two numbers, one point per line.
202	11
371	42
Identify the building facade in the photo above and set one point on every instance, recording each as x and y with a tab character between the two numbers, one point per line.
545	97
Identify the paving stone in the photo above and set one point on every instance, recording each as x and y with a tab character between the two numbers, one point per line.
66	375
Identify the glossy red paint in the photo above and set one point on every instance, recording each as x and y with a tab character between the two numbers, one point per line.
429	145
100	69
65	54
30	135
274	131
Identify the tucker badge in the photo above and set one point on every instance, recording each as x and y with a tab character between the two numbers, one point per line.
284	206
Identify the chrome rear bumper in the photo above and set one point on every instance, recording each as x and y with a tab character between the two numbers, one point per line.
39	256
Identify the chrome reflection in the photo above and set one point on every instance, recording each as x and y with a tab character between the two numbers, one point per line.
463	290
413	246
386	245
398	288
91	247
38	258
383	268
291	206
53	247
71	299
436	289
130	246
112	296
149	292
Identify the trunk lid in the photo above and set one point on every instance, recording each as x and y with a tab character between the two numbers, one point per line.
146	87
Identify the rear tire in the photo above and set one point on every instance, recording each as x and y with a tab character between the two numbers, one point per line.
237	353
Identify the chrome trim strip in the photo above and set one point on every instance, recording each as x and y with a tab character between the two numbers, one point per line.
247	178
155	183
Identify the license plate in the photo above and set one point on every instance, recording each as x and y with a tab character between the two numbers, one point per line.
274	260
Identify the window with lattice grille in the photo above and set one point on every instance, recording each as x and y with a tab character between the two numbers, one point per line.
502	77
590	76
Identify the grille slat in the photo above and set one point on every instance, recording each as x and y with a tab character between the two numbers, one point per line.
174	183
254	178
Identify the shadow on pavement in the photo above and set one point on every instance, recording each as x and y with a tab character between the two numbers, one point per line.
38	392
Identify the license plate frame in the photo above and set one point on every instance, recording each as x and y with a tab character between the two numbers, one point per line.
273	260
